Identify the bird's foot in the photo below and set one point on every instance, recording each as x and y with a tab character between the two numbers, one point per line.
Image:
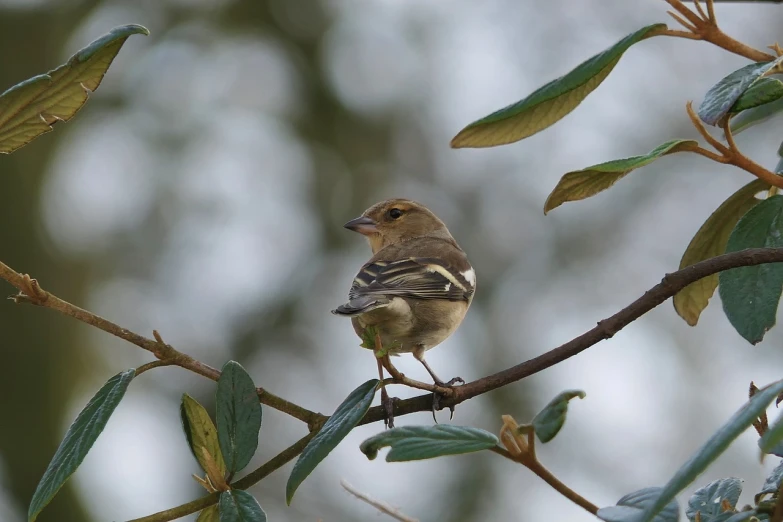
452	382
436	397
388	408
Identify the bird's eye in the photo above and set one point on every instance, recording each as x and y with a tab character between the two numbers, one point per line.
395	213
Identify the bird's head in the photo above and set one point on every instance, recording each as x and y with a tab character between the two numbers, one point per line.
395	220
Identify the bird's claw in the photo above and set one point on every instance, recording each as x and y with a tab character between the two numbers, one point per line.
436	397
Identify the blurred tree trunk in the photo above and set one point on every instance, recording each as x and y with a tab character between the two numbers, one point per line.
40	348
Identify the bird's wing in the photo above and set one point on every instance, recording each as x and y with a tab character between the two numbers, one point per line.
413	277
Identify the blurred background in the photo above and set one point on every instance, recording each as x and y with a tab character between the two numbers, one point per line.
202	192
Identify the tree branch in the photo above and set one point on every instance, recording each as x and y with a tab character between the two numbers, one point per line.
30	292
605	329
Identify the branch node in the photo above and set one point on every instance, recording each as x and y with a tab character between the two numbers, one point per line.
30	292
607	331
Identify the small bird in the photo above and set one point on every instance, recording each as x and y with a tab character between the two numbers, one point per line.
416	288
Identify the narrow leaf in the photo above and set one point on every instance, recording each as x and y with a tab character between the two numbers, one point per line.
210	514
771	484
724	94
751	117
581	184
716	445
710	241
79	439
201	433
765	90
427	442
238	416
30	108
750	294
630	507
549	420
342	421
549	103
216	478
240	506
707	501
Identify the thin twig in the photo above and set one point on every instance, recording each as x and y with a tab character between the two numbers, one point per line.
730	137
245	482
536	467
738	159
729	155
377	504
711	12
154	364
704	26
699	9
693	29
687	13
31	292
697	123
708	154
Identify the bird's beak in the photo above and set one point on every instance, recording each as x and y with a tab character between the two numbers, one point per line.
363	225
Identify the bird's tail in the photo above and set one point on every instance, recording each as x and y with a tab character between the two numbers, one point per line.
360	305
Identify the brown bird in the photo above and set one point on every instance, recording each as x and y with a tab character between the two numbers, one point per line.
416	288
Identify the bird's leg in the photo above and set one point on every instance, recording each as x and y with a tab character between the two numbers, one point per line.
386	401
418	353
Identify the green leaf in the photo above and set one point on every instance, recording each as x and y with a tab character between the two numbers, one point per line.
710	241
765	90
779	166
771	484
549	103
707	501
751	117
771	440
630	507
721	97
210	514
716	445
30	108
549	420
78	440
776	450
238	416
581	184
343	420
427	442
240	506
200	432
750	294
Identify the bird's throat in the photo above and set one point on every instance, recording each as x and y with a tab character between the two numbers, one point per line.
376	242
